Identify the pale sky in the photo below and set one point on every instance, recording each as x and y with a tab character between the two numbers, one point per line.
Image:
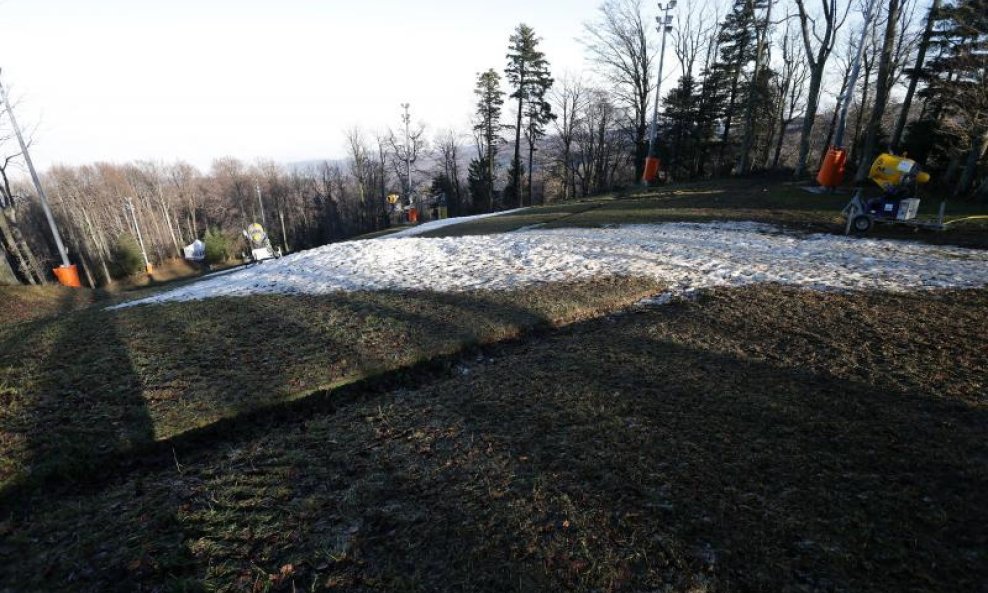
120	80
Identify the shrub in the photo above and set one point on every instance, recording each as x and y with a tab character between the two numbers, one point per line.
217	246
127	257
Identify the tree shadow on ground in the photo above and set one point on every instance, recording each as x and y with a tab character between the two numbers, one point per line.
117	384
604	457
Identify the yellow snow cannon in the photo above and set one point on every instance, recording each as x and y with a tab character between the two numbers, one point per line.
893	172
899	178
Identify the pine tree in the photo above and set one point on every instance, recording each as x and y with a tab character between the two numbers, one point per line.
528	73
479	183
957	90
737	43
490	99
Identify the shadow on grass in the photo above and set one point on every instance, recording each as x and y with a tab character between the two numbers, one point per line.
607	456
116	388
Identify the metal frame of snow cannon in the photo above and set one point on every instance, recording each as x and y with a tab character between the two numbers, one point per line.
899	177
259	246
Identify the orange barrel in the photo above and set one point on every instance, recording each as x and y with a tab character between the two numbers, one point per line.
68	276
651	168
831	172
413	215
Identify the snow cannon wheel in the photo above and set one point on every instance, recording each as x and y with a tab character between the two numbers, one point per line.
862	223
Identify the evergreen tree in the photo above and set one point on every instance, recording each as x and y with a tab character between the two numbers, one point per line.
528	73
737	42
479	183
490	99
953	134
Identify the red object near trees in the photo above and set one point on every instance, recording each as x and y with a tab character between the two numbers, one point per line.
652	165
831	172
68	276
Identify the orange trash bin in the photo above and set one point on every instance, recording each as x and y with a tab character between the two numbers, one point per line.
831	172
413	215
68	276
651	168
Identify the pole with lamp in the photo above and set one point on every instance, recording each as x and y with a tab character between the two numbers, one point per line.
652	159
67	274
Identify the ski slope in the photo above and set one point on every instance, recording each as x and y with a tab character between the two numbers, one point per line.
687	256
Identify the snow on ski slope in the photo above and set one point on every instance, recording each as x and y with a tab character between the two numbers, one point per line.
433	225
685	255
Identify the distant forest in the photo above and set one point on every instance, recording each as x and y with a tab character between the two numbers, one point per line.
757	87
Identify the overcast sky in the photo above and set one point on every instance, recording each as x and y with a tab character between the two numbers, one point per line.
120	80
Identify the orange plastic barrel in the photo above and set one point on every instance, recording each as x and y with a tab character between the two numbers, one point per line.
68	276
652	164
413	215
831	172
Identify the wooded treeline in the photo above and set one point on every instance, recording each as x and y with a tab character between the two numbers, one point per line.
750	86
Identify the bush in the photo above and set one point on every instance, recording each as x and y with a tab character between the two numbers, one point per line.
127	257
217	246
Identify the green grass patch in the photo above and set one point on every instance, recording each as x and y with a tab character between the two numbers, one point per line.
85	386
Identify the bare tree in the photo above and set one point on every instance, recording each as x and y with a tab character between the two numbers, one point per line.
883	87
619	45
569	99
823	36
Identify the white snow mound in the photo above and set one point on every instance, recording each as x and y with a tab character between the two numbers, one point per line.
688	256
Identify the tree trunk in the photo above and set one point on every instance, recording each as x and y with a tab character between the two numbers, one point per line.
924	44
516	180
744	159
979	144
881	92
31	267
7	276
812	101
8	243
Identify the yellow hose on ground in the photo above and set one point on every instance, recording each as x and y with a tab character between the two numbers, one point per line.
985	217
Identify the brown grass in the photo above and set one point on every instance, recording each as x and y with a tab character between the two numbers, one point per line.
759	439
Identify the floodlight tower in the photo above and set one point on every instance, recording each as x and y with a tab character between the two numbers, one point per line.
407	119
664	23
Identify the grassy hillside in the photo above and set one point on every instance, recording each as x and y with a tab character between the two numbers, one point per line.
758	439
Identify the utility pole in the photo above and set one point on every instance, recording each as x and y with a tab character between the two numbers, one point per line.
36	179
140	238
652	160
407	119
260	202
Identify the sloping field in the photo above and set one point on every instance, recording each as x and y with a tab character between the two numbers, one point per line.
756	439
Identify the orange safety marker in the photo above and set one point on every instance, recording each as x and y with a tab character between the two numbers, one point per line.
652	165
68	276
831	172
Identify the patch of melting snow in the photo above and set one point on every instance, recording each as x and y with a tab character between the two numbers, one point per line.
686	256
444	222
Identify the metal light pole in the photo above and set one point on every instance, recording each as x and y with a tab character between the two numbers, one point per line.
260	202
36	179
406	118
651	160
